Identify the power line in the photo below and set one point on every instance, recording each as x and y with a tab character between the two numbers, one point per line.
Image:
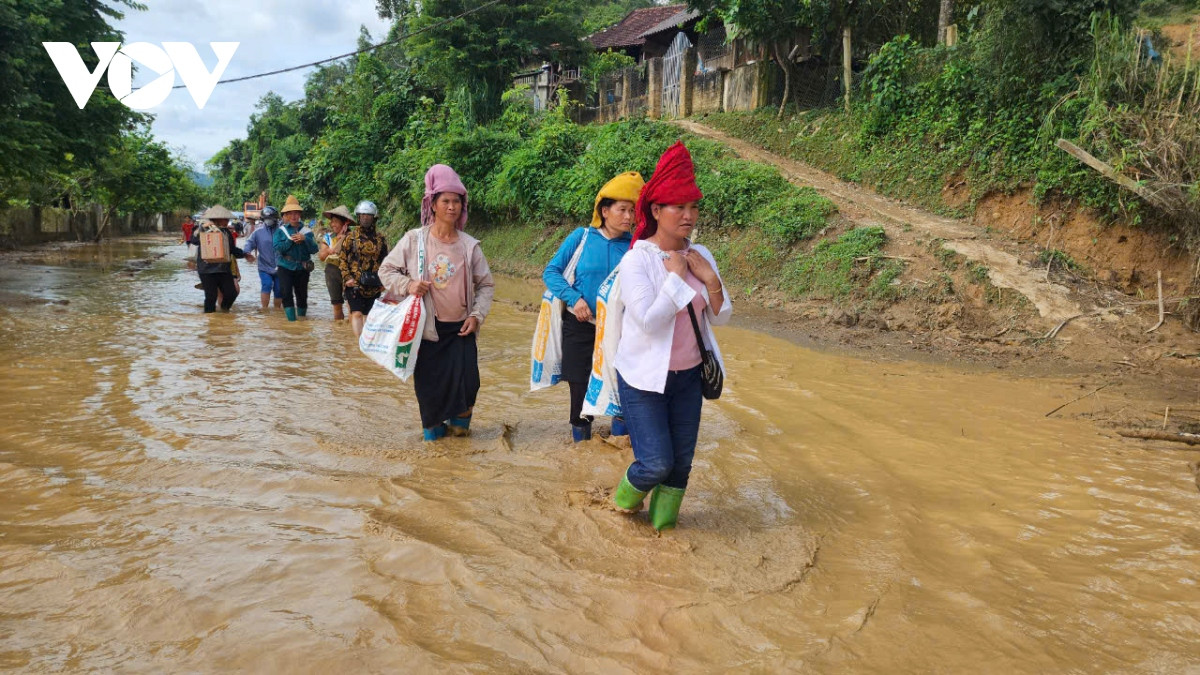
356	52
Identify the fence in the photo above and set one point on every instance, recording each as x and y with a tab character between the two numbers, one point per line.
622	93
34	225
690	83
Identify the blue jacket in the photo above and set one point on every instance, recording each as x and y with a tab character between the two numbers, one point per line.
290	254
261	242
600	256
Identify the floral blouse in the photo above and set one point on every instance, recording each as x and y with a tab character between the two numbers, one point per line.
362	253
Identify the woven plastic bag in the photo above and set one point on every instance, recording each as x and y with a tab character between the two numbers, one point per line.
545	358
602	397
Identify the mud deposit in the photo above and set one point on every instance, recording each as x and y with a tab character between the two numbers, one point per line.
184	492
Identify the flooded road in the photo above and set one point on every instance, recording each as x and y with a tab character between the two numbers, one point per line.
189	492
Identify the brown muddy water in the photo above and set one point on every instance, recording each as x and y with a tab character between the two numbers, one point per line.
231	492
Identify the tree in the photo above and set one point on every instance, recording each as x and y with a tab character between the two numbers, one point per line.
42	130
945	18
473	58
601	15
366	117
140	174
600	64
774	24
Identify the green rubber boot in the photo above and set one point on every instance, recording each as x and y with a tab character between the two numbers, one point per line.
628	498
301	311
664	507
290	312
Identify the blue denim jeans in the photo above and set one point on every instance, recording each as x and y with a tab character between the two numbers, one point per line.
663	429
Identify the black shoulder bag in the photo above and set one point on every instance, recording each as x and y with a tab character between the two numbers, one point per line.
711	377
370	279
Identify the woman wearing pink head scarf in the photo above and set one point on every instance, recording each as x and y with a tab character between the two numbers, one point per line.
456	288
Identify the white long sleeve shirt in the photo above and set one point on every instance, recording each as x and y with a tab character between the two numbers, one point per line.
652	297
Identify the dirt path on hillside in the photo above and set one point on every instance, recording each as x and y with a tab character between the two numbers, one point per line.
1053	301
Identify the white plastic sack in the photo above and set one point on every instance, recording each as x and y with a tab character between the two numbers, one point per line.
602	397
392	332
545	363
392	335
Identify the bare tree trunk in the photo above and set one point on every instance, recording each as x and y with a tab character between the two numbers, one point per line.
781	57
847	64
105	219
945	18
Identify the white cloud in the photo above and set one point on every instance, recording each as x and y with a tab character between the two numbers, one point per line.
273	34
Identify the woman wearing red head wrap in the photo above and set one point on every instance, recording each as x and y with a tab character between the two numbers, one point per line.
658	358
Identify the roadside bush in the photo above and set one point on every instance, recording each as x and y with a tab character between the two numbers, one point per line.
543	167
838	267
795	216
735	190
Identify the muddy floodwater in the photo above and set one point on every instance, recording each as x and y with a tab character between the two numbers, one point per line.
231	492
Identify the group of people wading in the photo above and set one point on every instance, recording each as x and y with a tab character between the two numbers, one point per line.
639	235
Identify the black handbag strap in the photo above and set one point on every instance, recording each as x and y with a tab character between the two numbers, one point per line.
696	327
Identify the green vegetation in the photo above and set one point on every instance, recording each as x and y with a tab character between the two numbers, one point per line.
977	272
603	63
54	153
1051	257
989	110
839	267
470	61
527	165
1158	13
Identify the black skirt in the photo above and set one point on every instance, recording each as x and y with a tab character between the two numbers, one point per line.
446	378
578	341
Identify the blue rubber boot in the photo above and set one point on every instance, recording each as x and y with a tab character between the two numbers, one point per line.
627	498
301	311
460	426
290	312
581	432
618	427
664	507
434	433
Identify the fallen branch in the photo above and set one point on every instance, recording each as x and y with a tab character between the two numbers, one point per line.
1162	313
1111	173
1190	439
1168	301
1049	251
1078	399
1002	332
1054	332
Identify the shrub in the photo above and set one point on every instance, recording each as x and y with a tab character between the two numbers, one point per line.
795	216
837	267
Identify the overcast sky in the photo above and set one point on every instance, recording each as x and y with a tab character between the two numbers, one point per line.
273	34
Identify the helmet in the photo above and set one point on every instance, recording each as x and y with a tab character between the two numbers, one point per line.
270	212
366	207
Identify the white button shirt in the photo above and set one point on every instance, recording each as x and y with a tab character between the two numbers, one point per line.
652	297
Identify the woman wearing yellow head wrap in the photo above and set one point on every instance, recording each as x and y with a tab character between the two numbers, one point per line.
595	251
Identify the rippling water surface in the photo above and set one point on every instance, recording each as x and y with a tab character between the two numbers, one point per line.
221	492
